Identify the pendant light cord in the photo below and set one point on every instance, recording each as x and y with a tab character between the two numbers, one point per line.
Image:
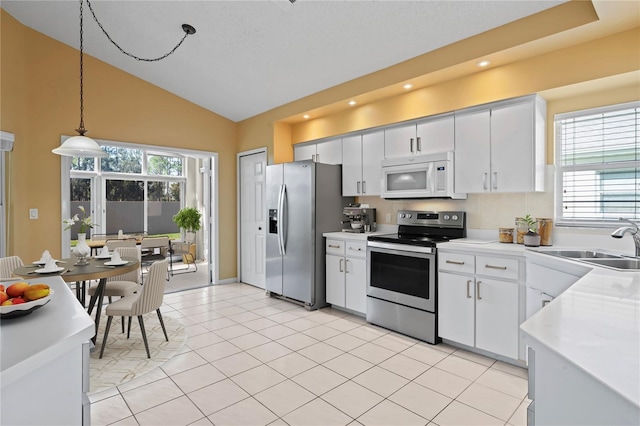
188	30
81	130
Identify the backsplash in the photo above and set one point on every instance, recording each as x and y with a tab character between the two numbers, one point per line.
488	212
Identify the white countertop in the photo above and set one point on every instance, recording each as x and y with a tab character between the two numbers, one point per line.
29	342
355	236
595	325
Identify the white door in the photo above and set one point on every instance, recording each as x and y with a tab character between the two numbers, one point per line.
497	317
456	308
356	284
352	166
252	218
304	152
329	152
335	280
372	154
473	152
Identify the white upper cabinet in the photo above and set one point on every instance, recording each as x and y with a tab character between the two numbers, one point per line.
361	156
436	134
501	147
328	152
428	136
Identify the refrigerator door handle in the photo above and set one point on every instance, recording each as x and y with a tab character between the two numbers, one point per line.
283	225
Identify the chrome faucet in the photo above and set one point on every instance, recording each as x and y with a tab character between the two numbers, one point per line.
634	230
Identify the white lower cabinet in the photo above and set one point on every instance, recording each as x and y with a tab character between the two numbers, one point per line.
346	274
480	302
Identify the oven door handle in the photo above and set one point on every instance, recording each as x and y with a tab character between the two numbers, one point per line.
401	247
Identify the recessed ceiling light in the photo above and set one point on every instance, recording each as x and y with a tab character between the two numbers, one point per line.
352	103
306	116
483	63
408	86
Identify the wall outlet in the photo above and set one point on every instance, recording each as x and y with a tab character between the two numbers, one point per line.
33	213
387	217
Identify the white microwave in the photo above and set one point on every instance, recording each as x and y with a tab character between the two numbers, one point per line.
419	176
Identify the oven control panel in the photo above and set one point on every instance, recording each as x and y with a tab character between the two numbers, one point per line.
449	219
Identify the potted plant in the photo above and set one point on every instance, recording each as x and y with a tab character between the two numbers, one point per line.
531	238
189	220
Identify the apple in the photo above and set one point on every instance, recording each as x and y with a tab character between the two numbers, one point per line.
13	301
3	297
1	287
17	289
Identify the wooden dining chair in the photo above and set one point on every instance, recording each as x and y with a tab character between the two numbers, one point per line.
125	284
148	299
7	265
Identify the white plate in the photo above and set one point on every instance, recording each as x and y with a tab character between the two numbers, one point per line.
13	311
49	271
112	263
104	256
39	262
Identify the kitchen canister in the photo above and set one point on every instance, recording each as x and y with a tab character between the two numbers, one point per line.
505	235
545	226
521	230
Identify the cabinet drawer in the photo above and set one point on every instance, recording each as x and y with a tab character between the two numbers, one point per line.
335	247
498	267
456	262
356	249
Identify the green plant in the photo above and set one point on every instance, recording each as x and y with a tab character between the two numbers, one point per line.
188	219
531	223
85	221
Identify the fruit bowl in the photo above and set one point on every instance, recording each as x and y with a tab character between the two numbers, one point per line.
15	311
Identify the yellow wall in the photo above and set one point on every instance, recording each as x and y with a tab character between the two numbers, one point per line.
40	102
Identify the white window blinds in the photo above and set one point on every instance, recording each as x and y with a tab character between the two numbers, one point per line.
598	165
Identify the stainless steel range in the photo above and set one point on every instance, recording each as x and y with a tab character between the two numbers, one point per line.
402	275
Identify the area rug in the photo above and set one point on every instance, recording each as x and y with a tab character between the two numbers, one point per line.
125	359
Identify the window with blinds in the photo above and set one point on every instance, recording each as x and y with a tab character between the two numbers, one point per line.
598	165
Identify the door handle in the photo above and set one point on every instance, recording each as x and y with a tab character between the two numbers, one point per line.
418	144
484	181
340	265
346	266
454	262
364	187
411	144
358	187
478	290
468	289
495	180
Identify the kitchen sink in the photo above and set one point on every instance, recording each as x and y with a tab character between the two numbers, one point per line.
621	263
582	254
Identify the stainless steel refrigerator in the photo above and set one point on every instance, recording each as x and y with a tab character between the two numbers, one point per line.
304	200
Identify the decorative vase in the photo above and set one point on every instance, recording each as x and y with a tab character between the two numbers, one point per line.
532	239
82	250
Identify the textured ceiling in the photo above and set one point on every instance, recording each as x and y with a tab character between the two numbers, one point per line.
248	57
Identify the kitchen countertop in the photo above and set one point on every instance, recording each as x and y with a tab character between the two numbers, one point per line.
32	341
484	245
357	236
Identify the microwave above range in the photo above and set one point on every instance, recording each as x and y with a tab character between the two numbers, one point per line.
420	176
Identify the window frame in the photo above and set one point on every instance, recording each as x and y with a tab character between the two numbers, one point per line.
560	220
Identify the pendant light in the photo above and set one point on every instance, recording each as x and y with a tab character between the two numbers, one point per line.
80	146
83	146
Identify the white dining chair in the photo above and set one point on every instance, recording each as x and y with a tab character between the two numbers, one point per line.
148	299
125	284
7	265
115	243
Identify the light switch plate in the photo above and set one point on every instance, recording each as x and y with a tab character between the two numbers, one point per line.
33	213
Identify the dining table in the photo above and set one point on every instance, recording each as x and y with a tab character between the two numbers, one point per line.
94	269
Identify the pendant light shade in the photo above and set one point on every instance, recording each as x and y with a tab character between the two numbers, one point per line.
80	146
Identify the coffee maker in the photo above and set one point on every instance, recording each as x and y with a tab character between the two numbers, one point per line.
358	219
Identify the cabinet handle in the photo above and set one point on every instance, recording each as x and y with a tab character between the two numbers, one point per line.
495	180
545	303
333	246
468	289
358	187
340	265
454	262
484	181
313	157
346	266
317	158
364	187
411	144
503	268
418	144
478	290
353	249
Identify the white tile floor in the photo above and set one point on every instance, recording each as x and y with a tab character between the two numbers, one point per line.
255	360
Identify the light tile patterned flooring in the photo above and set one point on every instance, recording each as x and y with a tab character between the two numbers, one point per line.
255	360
